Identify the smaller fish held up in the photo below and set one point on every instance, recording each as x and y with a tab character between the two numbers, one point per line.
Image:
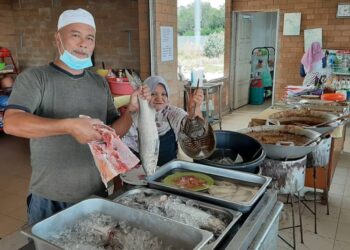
147	130
112	157
197	137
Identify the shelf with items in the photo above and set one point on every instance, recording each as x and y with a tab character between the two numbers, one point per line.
7	70
339	62
339	73
1	120
262	57
262	68
7	64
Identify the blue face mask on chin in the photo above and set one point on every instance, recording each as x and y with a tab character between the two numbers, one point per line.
74	62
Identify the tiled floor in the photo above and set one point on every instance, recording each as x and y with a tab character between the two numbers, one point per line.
333	229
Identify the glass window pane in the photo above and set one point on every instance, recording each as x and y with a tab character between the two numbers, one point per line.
201	27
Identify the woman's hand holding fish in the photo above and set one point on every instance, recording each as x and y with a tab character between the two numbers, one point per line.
143	92
83	129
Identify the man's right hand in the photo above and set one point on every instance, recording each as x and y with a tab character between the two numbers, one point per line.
82	129
23	124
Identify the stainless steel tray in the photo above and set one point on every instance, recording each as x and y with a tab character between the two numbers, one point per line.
169	231
262	182
231	216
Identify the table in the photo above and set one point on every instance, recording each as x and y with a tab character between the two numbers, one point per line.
209	88
258	229
324	174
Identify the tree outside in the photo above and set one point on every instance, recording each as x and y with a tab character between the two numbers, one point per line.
209	53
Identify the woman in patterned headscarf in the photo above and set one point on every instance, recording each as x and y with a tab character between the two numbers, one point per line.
168	119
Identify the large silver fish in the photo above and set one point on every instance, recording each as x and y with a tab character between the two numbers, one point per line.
174	208
147	129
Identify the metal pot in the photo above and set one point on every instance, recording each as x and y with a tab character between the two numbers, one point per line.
242	152
285	151
304	118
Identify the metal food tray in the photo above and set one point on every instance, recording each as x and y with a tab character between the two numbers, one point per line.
155	181
229	213
169	231
334	109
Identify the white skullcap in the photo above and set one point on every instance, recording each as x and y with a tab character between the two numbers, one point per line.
75	16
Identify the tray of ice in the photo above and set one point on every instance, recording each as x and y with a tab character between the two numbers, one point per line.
102	224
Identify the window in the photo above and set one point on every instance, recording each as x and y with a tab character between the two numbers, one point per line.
201	27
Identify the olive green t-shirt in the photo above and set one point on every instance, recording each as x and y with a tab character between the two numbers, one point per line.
62	168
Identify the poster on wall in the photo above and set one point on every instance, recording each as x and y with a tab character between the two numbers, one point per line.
167	43
291	24
312	35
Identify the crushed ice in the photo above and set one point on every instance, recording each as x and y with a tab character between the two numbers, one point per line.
99	231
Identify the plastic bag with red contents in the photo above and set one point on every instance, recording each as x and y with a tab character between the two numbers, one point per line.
112	157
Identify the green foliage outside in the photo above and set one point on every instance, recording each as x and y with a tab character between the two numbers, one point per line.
213	20
209	56
215	45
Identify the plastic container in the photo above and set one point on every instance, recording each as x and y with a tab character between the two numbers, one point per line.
119	88
3	101
266	78
333	97
233	144
120	101
256	95
4	53
102	72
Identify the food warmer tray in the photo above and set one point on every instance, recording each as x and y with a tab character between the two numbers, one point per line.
231	215
169	231
260	181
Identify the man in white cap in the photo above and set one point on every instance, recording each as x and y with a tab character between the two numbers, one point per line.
45	106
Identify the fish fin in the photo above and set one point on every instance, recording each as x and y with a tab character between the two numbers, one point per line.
131	79
137	79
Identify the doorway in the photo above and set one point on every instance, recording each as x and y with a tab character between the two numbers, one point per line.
254	55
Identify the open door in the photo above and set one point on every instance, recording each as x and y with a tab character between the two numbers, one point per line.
242	60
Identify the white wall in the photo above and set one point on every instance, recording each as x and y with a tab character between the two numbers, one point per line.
263	29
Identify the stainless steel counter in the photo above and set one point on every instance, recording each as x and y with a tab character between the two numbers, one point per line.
259	226
257	230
